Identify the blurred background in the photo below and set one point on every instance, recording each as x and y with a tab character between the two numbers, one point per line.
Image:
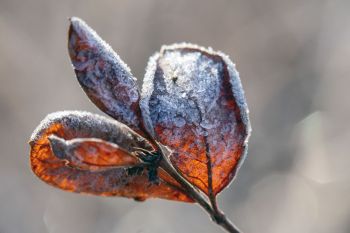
293	58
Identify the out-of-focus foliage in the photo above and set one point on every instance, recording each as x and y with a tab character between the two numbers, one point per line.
293	62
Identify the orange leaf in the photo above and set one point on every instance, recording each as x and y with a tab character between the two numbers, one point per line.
91	153
116	181
193	102
105	78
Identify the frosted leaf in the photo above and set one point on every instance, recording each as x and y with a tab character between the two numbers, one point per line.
72	151
193	102
91	154
105	78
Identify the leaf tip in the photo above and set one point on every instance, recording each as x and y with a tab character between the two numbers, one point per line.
80	37
57	145
77	23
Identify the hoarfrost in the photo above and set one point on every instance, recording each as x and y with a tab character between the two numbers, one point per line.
105	78
189	89
79	124
193	102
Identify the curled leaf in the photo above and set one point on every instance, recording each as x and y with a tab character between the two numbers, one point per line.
60	156
193	102
91	153
105	78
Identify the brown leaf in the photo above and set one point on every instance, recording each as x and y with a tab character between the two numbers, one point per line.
105	78
79	127
193	102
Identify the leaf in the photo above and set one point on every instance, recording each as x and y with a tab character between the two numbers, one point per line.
105	78
78	131
91	153
193	102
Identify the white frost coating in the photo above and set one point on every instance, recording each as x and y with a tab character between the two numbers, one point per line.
191	87
78	123
191	74
104	76
81	27
147	90
238	93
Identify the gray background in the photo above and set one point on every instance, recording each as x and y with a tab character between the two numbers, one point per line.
293	57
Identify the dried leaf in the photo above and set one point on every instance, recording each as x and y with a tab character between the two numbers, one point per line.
105	78
91	153
193	102
80	127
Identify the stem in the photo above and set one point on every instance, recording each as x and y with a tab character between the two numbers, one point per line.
221	219
212	209
190	190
